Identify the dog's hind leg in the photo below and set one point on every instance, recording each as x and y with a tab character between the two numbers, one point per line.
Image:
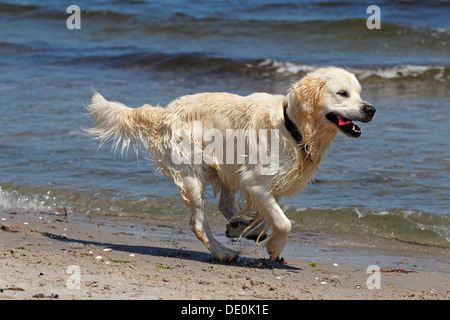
192	191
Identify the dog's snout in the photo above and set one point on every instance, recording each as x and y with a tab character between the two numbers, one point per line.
369	109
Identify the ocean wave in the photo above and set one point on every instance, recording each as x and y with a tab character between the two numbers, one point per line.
17	8
50	12
182	62
12	48
404	225
85	201
438	73
352	31
259	20
13	200
200	63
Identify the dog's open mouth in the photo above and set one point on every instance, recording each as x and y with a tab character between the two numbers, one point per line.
345	125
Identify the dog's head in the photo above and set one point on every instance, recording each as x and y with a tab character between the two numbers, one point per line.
330	98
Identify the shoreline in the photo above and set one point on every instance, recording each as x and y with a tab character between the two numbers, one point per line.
42	256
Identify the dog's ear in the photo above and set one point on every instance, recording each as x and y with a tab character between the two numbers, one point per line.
291	99
306	93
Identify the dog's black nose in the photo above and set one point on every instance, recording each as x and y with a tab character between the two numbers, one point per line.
369	109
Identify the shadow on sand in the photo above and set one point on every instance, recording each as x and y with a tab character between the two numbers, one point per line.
180	253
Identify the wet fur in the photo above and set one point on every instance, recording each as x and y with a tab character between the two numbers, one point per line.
308	101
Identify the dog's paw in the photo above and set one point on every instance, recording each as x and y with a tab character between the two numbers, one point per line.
280	260
236	226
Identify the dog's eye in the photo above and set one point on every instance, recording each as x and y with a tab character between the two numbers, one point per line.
343	93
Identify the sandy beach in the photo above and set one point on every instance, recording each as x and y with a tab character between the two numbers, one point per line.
56	256
82	222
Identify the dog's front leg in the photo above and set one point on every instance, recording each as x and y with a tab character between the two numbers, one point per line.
227	205
269	209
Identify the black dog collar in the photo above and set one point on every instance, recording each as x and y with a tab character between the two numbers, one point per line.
295	133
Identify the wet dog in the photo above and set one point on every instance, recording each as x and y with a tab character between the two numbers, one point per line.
223	140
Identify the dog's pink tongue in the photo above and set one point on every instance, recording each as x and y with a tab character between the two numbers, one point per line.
343	121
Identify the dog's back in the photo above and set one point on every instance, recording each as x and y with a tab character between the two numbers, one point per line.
223	111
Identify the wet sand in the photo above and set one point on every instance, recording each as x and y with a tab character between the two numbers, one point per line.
49	256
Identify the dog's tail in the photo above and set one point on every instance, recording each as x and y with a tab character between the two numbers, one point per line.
114	121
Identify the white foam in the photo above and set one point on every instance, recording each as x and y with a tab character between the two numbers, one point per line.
13	200
398	72
288	67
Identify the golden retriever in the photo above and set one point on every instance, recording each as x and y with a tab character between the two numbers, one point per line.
225	140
